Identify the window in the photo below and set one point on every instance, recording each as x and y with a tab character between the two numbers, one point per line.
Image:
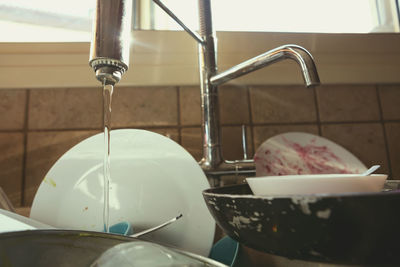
46	20
324	16
70	21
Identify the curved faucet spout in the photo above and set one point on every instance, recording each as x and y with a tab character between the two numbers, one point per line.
294	52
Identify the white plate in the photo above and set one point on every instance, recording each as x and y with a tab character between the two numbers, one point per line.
153	179
303	153
10	222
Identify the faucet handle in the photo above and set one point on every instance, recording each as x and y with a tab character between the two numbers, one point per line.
244	141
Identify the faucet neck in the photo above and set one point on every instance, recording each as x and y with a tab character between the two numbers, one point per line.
212	155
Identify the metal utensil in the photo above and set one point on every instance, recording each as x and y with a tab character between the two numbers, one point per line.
145	232
371	170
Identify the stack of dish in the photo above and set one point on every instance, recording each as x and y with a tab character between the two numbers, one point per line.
303	216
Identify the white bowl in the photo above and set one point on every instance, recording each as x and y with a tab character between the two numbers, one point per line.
316	184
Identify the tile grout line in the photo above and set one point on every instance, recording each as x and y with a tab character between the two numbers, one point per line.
322	123
385	138
70	129
198	125
12	130
25	146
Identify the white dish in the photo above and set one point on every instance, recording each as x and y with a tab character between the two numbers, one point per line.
10	222
304	153
316	184
152	180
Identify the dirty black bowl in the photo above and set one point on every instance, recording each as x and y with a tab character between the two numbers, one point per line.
360	228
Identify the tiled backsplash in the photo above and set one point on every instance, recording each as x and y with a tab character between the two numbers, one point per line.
38	126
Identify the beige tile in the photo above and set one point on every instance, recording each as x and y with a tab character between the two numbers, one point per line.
24	211
232	179
232	147
347	103
172	133
231	137
144	106
393	137
364	140
277	104
262	133
66	108
12	109
191	141
190	105
11	158
390	101
234	105
43	150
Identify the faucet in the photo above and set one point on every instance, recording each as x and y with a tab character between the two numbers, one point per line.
110	55
110	46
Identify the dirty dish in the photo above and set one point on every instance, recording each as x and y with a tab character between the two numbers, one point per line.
304	153
351	228
152	180
316	184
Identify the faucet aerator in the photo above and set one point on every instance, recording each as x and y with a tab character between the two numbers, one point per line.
110	46
108	75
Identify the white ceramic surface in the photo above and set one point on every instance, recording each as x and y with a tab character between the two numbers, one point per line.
10	222
304	153
316	184
152	180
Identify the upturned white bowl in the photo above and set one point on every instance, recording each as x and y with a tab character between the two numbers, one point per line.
316	184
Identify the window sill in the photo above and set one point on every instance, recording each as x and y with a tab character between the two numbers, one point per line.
170	58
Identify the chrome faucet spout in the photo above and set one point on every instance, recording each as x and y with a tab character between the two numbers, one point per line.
294	52
109	49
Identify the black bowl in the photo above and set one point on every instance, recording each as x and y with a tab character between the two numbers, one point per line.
360	228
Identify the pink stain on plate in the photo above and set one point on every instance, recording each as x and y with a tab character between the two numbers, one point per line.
294	158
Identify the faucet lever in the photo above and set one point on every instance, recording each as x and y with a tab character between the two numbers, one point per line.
192	33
